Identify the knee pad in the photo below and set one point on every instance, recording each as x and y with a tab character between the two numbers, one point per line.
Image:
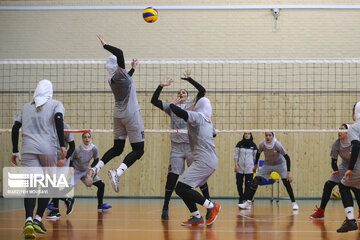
118	146
255	183
99	184
181	188
138	149
171	181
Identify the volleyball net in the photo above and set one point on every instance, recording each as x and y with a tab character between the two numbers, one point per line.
246	95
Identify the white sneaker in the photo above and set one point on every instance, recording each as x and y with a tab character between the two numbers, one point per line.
295	206
114	178
245	205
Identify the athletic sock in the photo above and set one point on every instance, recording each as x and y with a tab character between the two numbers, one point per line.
122	168
37	217
98	166
29	219
349	211
208	204
196	214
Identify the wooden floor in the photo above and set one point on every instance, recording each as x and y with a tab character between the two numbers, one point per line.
140	219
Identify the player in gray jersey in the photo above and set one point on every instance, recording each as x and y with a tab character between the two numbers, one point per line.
54	204
351	179
342	147
80	161
200	132
42	126
180	147
274	162
244	158
127	117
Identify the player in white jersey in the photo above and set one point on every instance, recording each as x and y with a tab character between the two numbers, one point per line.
274	162
127	117
200	132
54	204
342	147
80	161
42	126
351	179
180	147
244	158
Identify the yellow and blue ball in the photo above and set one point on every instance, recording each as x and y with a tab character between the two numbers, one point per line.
150	15
335	195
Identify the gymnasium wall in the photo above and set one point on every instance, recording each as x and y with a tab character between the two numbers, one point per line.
192	34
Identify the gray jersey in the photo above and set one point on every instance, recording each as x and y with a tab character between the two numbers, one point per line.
124	91
177	123
68	137
39	134
273	156
201	139
81	159
354	134
345	153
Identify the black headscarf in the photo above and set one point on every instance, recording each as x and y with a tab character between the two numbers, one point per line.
246	143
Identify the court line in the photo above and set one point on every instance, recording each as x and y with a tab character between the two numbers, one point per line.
195	229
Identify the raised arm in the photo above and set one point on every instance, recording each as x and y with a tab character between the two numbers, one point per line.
155	98
115	51
198	86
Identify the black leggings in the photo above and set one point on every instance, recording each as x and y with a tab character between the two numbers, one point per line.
243	195
29	204
189	196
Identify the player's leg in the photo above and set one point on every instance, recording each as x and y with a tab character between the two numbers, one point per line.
356	192
248	180
253	187
346	197
328	187
239	185
100	194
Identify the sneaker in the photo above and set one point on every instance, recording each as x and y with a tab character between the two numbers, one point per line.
39	227
103	207
54	214
50	206
193	221
319	214
245	205
114	178
213	214
69	202
348	225
89	177
165	214
295	206
29	231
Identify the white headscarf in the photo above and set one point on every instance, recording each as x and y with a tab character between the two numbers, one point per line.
357	111
203	106
111	66
87	148
272	144
346	141
43	92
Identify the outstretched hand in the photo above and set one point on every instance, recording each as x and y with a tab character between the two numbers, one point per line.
166	82
134	63
101	38
187	74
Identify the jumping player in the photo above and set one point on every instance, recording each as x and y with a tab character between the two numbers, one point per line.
42	126
351	179
342	147
127	117
180	147
274	162
200	132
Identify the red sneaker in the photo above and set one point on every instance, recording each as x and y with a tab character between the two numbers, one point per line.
319	214
193	221
211	217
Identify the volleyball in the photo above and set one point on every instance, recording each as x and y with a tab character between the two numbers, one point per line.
150	14
335	195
